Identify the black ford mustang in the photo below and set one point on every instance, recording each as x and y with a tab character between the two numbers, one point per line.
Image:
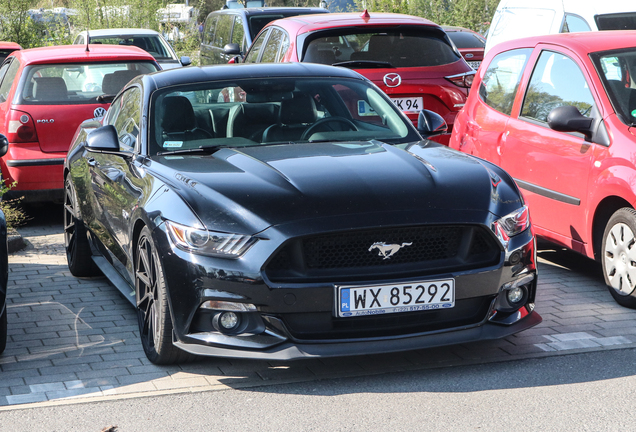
290	210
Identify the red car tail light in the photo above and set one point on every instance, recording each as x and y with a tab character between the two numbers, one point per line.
21	127
462	80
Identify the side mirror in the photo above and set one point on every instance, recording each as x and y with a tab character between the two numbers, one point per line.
103	139
430	123
4	145
567	118
185	61
232	49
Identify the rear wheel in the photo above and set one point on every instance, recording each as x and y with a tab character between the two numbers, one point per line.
619	256
153	312
78	250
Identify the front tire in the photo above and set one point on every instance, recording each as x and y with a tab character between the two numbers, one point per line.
78	250
153	312
619	256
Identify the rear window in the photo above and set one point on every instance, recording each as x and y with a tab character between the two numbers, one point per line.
4	53
466	40
151	44
257	22
77	83
405	48
618	21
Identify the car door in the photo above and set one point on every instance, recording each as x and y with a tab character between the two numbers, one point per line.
118	180
486	120
552	168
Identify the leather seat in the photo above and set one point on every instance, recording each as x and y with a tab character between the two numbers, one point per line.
179	122
295	115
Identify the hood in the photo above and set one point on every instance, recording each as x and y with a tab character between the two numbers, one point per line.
249	189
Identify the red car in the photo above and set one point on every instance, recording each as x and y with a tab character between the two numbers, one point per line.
469	43
558	113
7	48
45	93
411	59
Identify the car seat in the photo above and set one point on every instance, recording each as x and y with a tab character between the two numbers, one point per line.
295	115
49	89
179	122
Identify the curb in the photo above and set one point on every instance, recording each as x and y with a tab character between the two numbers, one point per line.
15	242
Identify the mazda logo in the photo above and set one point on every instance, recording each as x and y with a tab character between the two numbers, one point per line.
392	80
99	112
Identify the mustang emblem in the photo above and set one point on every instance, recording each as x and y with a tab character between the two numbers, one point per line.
392	80
387	250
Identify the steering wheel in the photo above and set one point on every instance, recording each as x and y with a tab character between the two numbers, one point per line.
310	130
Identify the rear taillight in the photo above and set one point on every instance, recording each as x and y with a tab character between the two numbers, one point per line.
462	80
21	127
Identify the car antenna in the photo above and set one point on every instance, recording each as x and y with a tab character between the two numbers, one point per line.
88	38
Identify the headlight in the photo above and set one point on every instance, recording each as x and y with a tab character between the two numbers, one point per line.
206	242
511	224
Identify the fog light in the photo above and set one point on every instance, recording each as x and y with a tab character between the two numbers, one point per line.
515	295
229	320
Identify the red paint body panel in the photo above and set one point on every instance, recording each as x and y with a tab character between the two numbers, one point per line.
599	176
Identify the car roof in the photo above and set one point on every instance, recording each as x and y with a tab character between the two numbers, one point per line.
585	41
9	45
307	23
194	74
78	54
121	31
270	10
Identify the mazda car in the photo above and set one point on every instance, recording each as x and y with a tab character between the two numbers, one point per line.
410	58
45	93
282	211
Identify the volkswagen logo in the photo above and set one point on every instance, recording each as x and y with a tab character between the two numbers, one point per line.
392	80
99	112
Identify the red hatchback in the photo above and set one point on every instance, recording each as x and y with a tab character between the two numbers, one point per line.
411	59
45	93
558	113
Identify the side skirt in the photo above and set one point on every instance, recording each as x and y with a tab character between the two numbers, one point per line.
115	278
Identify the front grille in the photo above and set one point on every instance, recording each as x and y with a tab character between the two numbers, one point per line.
349	255
323	326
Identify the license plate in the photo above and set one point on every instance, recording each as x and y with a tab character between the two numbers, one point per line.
409	104
394	298
474	64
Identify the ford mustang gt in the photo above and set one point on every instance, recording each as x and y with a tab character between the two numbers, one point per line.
281	211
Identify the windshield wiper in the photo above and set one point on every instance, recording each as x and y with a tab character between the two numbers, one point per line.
364	64
202	149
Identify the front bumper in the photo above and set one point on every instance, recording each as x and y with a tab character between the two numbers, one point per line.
297	319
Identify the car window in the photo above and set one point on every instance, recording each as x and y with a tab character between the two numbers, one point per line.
255	49
238	33
284	46
152	44
128	119
616	70
616	21
77	83
7	74
272	47
556	81
574	23
208	32
466	40
222	33
407	48
499	85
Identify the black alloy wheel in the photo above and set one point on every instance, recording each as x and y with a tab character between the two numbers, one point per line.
78	250
619	256
153	312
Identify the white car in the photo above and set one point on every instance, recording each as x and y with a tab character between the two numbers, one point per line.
148	40
515	19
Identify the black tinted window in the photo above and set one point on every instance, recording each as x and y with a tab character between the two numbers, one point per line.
466	40
409	48
619	21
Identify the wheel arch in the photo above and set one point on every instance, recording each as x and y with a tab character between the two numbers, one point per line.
604	211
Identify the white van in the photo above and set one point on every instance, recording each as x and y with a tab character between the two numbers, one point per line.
521	18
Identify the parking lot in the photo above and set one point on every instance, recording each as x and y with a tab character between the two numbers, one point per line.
76	339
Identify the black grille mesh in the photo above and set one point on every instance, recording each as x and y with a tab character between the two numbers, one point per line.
429	247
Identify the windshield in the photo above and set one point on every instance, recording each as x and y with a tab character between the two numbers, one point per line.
77	83
252	112
150	43
617	69
404	48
